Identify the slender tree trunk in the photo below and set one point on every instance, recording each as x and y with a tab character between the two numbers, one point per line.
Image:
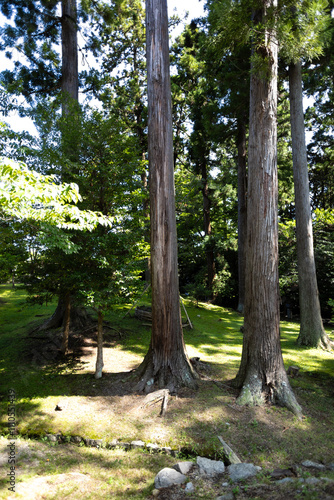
242	212
66	324
69	84
312	332
210	260
99	355
262	375
166	362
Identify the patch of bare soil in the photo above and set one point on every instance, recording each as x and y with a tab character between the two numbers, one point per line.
38	488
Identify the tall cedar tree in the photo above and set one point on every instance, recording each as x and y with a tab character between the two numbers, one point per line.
312	332
70	93
166	361
262	375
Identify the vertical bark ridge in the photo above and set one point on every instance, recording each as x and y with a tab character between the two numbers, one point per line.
166	361
312	332
262	374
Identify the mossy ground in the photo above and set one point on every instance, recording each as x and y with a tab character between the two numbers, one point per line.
268	436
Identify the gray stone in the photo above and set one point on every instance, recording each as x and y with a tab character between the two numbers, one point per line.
227	496
126	446
167	477
315	465
94	443
210	467
113	444
190	488
331	466
152	447
137	444
76	439
183	467
237	472
312	480
52	438
285	480
167	450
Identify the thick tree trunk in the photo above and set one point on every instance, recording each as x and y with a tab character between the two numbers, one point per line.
99	355
312	332
57	318
262	375
242	212
166	362
79	317
66	324
69	84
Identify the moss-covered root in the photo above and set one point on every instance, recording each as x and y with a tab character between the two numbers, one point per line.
322	341
285	397
255	393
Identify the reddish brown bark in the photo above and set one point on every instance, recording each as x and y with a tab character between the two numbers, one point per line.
242	212
210	259
312	332
69	83
166	362
262	376
66	324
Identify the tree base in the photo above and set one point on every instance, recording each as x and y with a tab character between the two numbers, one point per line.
254	392
322	342
78	318
172	376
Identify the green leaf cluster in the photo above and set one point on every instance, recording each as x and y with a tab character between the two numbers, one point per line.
28	195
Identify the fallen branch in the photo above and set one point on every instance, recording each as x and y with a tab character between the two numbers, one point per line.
236	408
185	310
153	398
164	404
229	455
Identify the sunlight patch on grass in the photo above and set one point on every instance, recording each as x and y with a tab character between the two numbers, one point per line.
193	420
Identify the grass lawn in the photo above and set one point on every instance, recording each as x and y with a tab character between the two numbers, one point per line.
268	436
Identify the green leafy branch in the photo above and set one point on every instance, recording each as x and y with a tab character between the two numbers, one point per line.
28	195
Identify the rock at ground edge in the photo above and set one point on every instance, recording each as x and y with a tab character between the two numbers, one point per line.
237	472
183	467
309	463
210	467
167	477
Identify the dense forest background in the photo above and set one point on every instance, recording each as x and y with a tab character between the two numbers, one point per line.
92	131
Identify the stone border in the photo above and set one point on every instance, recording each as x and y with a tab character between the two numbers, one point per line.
100	443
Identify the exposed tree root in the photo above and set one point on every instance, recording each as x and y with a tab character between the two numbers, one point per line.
254	392
78	317
176	373
324	342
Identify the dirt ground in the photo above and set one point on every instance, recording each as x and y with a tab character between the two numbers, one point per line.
118	395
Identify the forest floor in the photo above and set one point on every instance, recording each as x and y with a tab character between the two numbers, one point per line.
109	408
